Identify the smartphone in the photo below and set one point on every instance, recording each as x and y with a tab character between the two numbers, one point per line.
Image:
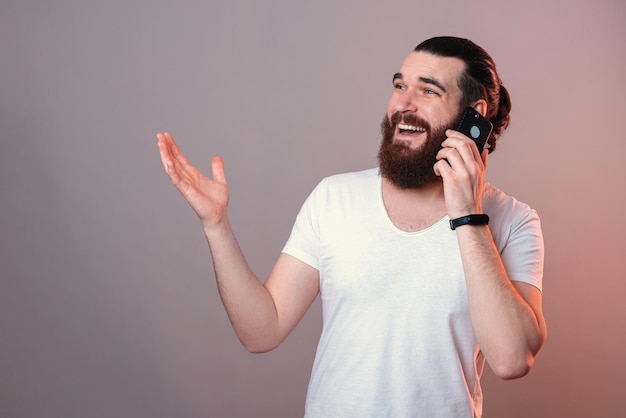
475	126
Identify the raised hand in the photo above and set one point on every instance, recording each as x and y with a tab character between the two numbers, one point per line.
462	169
208	198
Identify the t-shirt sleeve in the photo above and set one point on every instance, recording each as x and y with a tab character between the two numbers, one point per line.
523	254
303	243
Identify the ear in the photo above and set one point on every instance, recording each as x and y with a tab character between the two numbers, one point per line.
481	106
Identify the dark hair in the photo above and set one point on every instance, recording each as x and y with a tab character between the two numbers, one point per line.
480	79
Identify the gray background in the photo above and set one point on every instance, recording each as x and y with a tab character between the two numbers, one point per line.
108	306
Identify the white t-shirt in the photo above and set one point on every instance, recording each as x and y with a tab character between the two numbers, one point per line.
397	340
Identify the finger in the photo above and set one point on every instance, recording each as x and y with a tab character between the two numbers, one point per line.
217	168
165	145
458	137
164	151
175	151
441	168
161	141
450	156
465	147
484	157
442	154
170	164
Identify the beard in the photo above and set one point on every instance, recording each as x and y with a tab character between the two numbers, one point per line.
408	168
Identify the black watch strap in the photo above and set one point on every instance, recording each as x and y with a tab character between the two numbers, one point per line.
476	219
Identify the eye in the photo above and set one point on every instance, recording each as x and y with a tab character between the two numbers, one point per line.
399	86
430	91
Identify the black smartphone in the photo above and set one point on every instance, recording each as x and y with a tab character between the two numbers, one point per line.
475	126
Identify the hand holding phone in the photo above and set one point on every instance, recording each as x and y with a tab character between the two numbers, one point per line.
475	126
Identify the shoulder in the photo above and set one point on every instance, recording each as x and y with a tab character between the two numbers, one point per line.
516	230
346	190
501	204
354	178
509	216
347	182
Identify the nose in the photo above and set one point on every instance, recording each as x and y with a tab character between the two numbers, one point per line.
405	103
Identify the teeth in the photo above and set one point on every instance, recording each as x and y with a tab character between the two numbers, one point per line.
410	128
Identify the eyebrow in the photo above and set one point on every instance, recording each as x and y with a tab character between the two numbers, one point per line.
427	80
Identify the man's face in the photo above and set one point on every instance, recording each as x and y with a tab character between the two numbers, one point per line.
425	102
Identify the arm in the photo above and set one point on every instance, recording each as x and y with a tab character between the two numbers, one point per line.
262	315
507	317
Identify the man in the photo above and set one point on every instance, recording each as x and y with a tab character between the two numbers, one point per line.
411	307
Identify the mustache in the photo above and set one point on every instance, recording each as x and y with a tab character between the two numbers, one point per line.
409	119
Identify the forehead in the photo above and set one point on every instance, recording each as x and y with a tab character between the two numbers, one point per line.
423	65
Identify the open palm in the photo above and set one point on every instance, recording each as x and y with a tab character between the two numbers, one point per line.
208	198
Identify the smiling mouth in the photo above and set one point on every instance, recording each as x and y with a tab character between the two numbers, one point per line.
409	129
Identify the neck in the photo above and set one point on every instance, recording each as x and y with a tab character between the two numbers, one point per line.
428	193
414	209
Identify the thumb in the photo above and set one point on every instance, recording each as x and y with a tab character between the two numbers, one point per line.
217	168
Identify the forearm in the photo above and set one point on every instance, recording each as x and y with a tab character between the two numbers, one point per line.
249	305
508	329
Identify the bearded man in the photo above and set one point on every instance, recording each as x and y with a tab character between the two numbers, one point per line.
425	271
